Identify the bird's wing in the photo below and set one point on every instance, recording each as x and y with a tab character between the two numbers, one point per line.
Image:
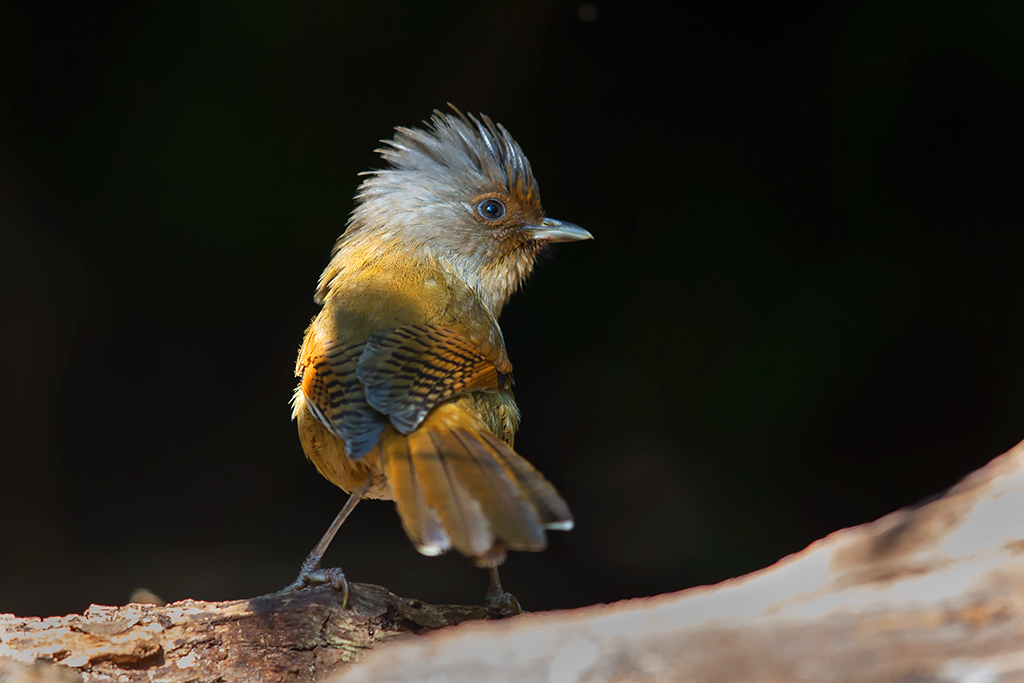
409	370
335	396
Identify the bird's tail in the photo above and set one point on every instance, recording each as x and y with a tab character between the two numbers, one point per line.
459	486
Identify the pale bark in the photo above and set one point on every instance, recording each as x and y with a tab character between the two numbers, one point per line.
929	593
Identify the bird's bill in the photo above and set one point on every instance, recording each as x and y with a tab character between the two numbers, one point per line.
558	231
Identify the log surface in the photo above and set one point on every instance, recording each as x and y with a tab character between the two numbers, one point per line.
934	592
301	636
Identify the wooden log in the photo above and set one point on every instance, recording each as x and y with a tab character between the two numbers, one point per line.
302	636
934	592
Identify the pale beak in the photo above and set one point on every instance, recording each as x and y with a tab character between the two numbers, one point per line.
557	231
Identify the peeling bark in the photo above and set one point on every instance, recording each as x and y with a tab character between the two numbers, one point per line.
934	592
302	636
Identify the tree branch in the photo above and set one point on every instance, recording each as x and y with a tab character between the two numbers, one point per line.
933	592
302	636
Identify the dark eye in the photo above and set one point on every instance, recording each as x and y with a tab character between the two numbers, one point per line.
491	209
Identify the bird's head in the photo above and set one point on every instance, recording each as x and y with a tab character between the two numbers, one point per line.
459	190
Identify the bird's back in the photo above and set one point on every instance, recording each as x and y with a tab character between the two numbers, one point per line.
406	382
449	465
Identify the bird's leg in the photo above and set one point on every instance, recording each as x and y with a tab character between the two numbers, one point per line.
311	574
497	600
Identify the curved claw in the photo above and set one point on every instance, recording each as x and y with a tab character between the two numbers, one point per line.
503	604
332	576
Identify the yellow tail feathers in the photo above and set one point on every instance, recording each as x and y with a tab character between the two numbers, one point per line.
458	486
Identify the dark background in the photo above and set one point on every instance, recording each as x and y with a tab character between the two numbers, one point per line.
802	310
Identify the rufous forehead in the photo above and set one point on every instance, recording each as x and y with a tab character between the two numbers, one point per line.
526	194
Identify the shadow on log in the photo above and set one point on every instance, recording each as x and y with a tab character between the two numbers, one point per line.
929	593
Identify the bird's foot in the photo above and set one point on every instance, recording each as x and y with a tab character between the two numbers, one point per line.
501	604
310	577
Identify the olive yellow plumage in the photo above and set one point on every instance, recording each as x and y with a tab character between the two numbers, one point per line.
405	390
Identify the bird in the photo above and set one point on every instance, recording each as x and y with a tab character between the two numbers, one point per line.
405	384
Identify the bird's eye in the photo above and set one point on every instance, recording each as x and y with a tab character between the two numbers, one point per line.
491	209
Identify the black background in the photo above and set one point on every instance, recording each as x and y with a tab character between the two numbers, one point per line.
803	307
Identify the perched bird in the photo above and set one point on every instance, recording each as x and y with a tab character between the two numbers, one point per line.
405	390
